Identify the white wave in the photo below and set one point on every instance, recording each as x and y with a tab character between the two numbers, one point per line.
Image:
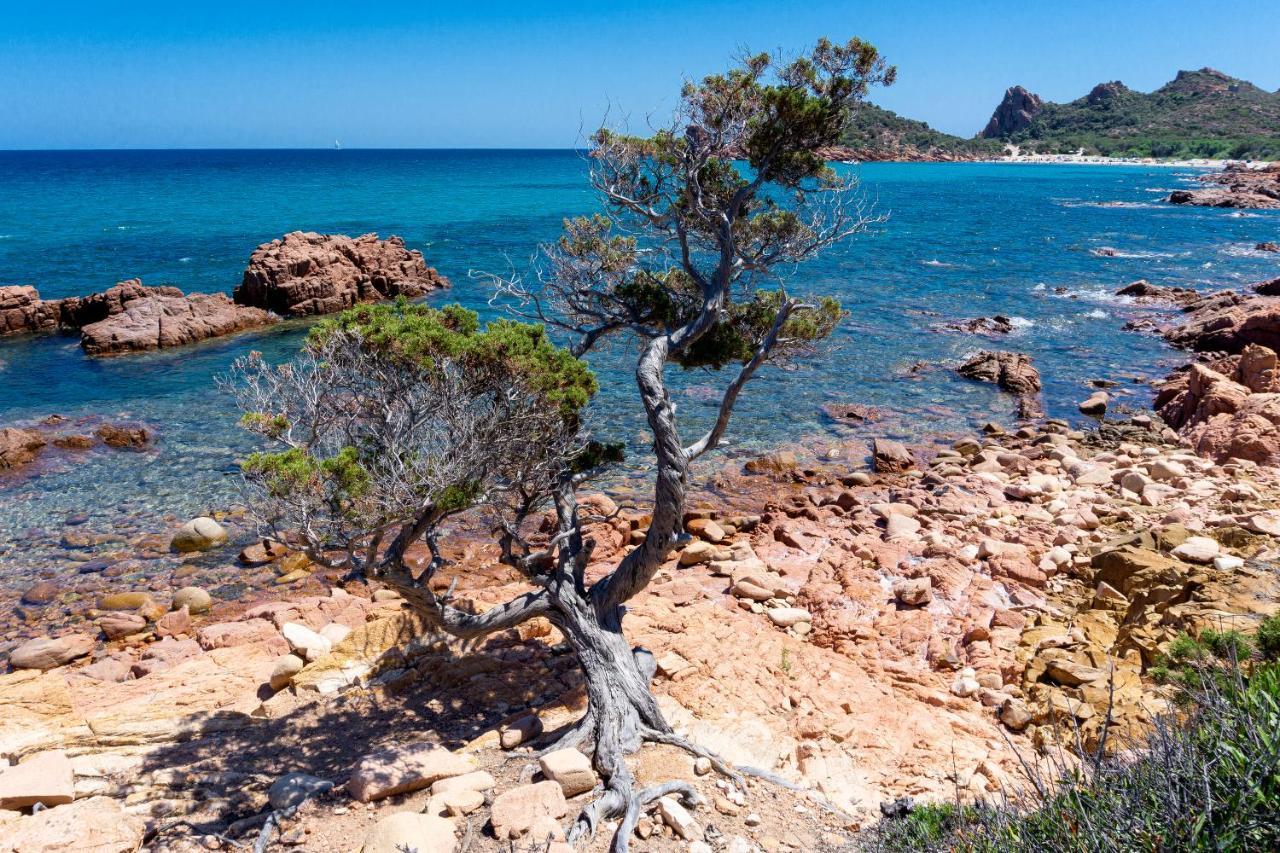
186	260
1040	287
1093	294
1134	255
1021	322
936	263
1132	205
1096	314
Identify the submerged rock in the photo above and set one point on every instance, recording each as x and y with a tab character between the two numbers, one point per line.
306	273
19	446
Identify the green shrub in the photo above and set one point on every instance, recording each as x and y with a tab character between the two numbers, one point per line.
1207	778
1268	638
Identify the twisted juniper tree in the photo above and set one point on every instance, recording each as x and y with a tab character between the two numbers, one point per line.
397	417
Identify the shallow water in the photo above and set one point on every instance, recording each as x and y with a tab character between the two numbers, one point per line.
962	240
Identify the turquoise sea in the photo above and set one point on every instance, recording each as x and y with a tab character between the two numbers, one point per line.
962	240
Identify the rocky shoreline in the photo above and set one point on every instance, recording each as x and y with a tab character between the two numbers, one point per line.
1238	185
921	628
300	274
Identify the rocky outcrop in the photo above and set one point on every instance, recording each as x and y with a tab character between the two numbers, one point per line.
22	310
1143	291
129	317
1015	112
997	325
1012	372
305	273
159	321
1238	185
1228	322
1230	409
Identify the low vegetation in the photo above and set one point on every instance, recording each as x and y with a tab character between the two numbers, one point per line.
1207	777
877	129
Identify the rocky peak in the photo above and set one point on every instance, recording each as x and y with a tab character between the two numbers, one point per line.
1016	111
1105	92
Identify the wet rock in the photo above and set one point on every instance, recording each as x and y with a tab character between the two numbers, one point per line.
306	273
121	436
127	601
1011	371
193	598
779	462
263	552
407	768
1267	246
199	534
1095	404
570	769
50	652
42	592
401	831
19	446
516	811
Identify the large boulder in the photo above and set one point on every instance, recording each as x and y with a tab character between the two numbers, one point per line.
307	273
50	652
198	534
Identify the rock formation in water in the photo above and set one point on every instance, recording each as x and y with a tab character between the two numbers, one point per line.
129	317
306	273
1238	185
162	320
1015	112
22	310
1012	372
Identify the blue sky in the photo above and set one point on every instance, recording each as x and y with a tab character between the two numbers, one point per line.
527	74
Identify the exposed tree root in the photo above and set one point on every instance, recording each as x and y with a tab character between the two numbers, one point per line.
579	735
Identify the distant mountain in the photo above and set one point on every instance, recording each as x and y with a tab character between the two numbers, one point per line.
880	134
1201	113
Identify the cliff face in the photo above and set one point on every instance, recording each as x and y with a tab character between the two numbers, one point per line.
1016	112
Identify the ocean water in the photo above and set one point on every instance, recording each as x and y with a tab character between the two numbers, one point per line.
961	240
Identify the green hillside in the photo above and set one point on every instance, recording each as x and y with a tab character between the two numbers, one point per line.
877	130
1201	113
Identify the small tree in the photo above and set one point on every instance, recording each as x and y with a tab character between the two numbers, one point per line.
397	417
